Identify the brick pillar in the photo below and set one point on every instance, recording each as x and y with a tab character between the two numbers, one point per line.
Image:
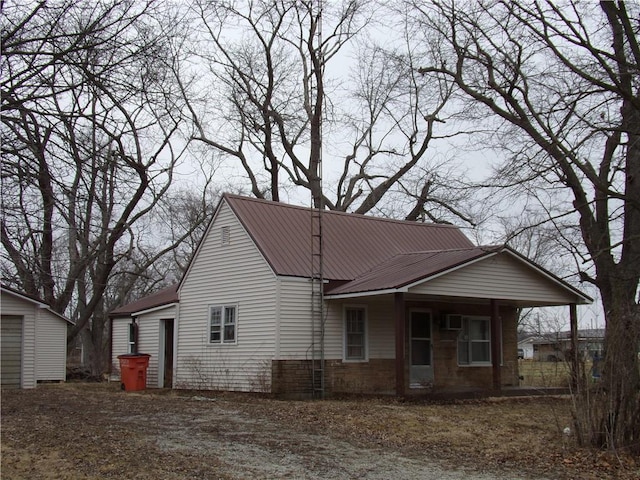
496	348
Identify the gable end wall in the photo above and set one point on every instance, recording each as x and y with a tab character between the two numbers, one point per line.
233	274
499	275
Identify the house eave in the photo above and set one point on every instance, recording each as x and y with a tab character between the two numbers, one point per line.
370	293
153	309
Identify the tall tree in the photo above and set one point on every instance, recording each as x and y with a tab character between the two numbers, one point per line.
296	85
90	126
561	82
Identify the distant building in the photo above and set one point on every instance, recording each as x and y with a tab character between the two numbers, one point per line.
554	346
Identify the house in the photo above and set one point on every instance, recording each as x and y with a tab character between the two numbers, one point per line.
34	341
407	307
525	344
554	346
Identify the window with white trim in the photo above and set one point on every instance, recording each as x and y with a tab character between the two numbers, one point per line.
132	337
222	324
355	333
474	341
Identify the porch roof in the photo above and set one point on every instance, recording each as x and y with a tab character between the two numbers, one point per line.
412	272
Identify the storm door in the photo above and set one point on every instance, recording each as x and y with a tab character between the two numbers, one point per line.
421	354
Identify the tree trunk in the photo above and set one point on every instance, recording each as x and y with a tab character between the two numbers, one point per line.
619	390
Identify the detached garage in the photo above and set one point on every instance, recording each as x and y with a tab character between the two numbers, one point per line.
33	341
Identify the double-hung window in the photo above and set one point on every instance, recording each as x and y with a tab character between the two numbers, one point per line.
474	341
355	333
222	324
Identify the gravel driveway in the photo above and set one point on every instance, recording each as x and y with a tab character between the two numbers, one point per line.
252	448
90	432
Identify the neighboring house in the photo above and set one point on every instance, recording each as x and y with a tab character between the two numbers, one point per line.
554	346
34	341
408	307
525	344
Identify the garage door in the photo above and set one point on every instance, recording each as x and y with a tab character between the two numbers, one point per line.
11	353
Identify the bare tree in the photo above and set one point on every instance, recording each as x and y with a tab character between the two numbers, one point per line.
90	127
287	98
561	83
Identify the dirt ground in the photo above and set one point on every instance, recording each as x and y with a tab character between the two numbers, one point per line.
95	431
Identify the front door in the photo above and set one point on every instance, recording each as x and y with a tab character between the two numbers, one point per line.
168	354
421	371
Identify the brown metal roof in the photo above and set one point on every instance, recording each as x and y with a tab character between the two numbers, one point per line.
353	244
165	296
407	268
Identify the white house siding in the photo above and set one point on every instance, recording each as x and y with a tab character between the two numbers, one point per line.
119	341
12	305
499	276
380	327
51	347
233	274
295	318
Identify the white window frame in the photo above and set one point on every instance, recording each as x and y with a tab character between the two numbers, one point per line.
469	342
224	312
131	337
365	334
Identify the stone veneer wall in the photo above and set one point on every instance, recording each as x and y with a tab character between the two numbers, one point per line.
292	378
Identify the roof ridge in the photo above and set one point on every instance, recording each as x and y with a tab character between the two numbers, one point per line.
232	196
488	248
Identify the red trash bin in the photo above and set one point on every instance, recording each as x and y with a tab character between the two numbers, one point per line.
133	371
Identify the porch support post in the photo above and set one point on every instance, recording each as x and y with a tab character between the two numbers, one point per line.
400	335
573	320
496	348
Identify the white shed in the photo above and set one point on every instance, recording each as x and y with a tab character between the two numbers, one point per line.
33	341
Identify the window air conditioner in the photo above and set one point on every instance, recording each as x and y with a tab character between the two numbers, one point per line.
453	322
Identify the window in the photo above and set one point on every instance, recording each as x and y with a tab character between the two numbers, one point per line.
355	333
474	341
132	337
222	324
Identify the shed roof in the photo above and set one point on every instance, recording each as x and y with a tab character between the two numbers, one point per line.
352	244
166	296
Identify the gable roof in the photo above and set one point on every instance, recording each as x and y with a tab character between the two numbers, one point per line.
402	271
407	268
38	302
361	254
166	296
352	244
